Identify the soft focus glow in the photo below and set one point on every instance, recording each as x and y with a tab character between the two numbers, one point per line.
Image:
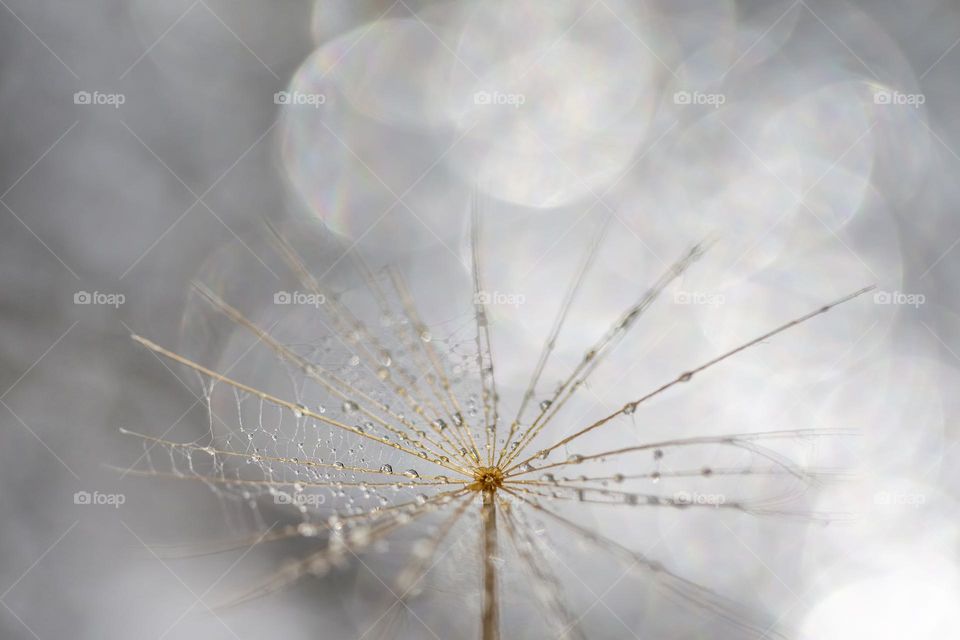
920	605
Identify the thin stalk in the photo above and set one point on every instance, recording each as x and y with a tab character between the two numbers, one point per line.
490	618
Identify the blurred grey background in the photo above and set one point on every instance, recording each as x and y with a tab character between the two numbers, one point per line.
139	136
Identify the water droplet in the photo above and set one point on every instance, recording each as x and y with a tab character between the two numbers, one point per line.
655	476
440	424
657	454
525	467
360	536
411	473
545	405
421	499
300	410
425	336
338	465
354	361
548	477
575	458
349	406
629	409
307	530
386	469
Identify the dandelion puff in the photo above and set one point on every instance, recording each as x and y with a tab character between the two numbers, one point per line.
385	439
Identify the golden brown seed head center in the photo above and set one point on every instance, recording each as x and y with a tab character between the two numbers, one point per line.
487	479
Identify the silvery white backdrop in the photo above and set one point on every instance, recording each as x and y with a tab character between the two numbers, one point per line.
144	143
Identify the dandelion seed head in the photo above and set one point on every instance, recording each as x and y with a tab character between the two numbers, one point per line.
355	460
